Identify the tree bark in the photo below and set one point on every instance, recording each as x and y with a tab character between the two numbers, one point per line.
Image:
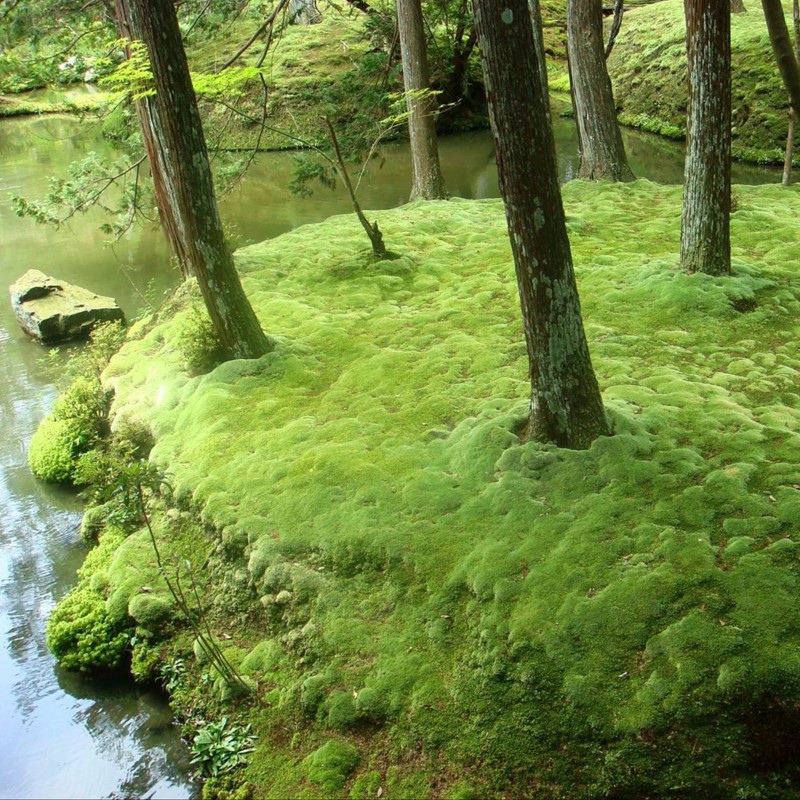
737	7
185	191
787	159
304	12
601	148
616	24
705	221
427	182
566	407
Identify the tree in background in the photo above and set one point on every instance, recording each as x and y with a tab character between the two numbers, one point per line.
566	407
705	221
427	182
788	60
178	157
602	152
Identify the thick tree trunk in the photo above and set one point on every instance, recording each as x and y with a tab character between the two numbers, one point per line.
179	162
566	407
705	222
304	12
427	182
602	152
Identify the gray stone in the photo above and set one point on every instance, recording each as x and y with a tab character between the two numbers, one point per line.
51	310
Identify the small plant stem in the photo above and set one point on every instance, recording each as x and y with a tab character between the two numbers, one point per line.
372	230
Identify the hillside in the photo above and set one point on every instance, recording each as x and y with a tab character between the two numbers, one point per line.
648	70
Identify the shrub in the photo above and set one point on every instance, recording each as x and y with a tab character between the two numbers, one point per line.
74	426
51	454
81	635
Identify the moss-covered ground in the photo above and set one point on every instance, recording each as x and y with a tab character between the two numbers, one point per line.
431	608
648	69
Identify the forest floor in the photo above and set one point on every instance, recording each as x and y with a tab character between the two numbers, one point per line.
428	607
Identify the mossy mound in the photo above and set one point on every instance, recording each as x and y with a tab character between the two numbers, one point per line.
620	622
649	72
73	427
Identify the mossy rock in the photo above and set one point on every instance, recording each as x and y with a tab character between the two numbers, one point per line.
330	765
151	611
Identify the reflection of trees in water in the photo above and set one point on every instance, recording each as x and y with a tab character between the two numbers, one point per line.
134	729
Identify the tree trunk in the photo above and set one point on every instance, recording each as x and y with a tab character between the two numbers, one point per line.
705	222
737	7
427	182
304	12
616	24
602	152
782	47
566	407
787	160
179	162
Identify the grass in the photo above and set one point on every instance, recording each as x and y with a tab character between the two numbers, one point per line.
455	608
648	69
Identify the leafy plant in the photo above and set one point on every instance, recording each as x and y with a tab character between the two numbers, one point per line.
220	747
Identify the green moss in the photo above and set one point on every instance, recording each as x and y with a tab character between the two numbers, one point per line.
82	636
150	611
72	428
330	765
648	69
586	621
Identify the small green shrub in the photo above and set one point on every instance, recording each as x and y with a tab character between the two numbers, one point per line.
51	453
81	635
79	418
330	765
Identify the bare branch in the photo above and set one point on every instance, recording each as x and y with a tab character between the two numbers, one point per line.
267	24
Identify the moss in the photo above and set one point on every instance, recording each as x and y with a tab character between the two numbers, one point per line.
82	636
648	69
586	623
72	428
330	765
150	611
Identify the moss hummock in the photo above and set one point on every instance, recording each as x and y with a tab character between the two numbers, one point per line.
649	72
465	608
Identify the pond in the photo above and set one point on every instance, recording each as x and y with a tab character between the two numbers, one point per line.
63	734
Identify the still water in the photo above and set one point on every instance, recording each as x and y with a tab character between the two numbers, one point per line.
63	735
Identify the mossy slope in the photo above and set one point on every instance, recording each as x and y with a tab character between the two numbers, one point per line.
617	622
649	72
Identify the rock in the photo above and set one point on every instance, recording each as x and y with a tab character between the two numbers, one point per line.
56	311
